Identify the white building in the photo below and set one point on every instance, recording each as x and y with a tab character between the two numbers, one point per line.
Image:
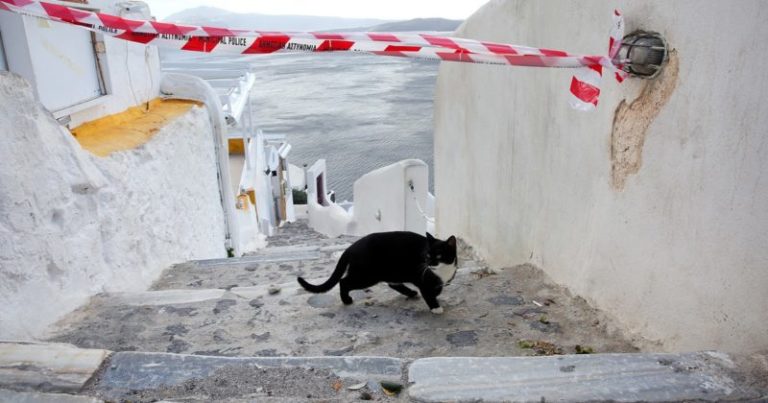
145	184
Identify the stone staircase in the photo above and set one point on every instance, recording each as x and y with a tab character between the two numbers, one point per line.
242	329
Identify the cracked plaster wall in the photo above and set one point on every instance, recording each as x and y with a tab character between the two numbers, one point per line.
632	119
653	207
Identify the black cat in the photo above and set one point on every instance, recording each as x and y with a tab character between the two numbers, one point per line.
395	258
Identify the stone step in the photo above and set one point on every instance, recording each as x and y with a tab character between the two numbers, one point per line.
333	248
705	376
272	265
268	267
186	297
46	367
152	376
485	315
300	234
141	376
269	256
11	396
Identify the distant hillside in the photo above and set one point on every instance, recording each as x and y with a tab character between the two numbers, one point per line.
418	24
213	16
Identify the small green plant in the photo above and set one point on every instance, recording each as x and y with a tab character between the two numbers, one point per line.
299	196
584	349
540	347
526	343
230	252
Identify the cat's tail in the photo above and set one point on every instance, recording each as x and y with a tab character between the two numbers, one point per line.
341	268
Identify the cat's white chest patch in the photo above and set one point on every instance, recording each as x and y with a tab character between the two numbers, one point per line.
446	272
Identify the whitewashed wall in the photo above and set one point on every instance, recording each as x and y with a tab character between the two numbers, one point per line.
73	225
654	206
325	217
257	165
385	202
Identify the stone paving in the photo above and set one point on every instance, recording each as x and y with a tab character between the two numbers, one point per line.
40	372
253	306
686	377
241	330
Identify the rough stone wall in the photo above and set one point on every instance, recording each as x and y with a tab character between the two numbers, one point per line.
73	225
653	207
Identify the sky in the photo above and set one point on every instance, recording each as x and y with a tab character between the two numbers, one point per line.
380	9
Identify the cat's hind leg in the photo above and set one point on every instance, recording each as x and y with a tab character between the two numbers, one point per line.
345	286
402	289
353	281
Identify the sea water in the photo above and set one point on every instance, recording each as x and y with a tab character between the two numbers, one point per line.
359	112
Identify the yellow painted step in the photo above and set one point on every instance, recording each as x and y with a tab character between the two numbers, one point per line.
131	128
236	147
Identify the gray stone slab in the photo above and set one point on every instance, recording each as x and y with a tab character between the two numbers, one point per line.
185	296
335	248
287	249
162	297
9	396
47	367
599	377
288	289
287	255
134	372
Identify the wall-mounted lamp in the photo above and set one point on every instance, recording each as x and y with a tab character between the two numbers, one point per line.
133	7
643	54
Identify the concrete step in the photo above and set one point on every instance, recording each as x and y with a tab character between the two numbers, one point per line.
145	377
300	234
705	376
272	265
46	367
12	396
306	240
153	376
290	254
485	315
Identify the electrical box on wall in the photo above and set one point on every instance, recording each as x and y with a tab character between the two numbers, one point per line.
59	60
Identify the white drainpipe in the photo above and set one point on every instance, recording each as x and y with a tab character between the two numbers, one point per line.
185	86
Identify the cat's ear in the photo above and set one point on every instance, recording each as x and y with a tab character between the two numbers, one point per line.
430	238
451	241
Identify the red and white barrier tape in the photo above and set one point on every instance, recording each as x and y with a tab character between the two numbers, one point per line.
614	45
584	85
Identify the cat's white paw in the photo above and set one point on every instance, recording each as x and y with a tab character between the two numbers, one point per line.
438	310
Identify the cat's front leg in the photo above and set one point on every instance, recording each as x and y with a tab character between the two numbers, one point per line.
430	297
